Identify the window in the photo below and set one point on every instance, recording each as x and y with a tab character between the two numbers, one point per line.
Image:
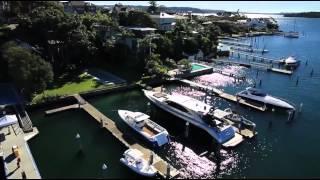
177	106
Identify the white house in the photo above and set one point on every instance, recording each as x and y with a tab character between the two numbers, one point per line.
257	23
222	47
193	57
164	21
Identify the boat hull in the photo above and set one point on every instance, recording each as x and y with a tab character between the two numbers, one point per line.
150	173
285	105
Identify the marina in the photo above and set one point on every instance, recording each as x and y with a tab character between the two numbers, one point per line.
160	165
217	118
257	65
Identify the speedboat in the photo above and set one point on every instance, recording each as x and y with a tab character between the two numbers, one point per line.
196	113
141	123
234	118
259	96
229	115
133	159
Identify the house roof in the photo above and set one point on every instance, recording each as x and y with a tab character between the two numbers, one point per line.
142	28
162	15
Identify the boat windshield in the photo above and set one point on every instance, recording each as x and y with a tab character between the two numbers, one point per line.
257	92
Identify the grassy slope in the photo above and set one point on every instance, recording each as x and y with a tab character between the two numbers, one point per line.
82	83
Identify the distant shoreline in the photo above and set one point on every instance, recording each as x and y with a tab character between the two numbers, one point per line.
304	14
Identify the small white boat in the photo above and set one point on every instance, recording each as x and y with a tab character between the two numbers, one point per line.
260	96
133	158
229	115
141	123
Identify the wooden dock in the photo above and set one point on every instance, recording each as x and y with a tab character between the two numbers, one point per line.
73	106
224	95
126	139
257	65
256	57
234	43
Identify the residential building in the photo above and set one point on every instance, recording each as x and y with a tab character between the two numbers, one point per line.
79	7
164	21
195	57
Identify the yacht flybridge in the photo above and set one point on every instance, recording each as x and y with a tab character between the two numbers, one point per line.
196	113
141	123
262	97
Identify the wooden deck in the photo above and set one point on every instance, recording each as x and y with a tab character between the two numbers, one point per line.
257	65
128	141
73	106
224	95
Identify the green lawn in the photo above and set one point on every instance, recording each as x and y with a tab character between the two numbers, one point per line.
77	84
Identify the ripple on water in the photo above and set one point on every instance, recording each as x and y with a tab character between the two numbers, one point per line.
219	80
193	166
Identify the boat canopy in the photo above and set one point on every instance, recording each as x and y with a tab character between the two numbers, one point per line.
138	116
218	113
133	153
8	120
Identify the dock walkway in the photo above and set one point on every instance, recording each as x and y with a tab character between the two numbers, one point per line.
264	66
73	106
224	95
254	56
128	141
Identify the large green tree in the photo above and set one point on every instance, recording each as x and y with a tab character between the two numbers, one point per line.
136	18
153	7
29	72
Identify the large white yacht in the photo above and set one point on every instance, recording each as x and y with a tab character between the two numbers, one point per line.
262	97
290	61
196	113
133	158
141	123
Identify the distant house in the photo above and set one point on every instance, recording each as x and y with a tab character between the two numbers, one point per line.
139	33
164	21
194	57
256	23
79	7
223	50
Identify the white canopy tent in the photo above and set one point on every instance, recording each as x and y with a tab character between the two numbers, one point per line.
8	120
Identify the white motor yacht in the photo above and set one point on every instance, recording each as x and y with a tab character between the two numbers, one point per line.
262	97
133	158
290	61
196	113
141	123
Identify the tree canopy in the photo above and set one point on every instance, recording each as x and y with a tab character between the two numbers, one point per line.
29	72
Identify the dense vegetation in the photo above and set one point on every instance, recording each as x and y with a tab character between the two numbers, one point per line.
49	43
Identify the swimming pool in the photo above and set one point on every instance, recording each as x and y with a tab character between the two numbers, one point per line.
197	67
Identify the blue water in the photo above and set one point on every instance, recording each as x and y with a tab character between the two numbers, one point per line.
282	149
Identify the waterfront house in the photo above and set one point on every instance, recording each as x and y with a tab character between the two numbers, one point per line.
194	57
79	7
223	50
164	21
139	33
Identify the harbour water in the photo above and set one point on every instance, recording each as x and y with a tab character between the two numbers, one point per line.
281	148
